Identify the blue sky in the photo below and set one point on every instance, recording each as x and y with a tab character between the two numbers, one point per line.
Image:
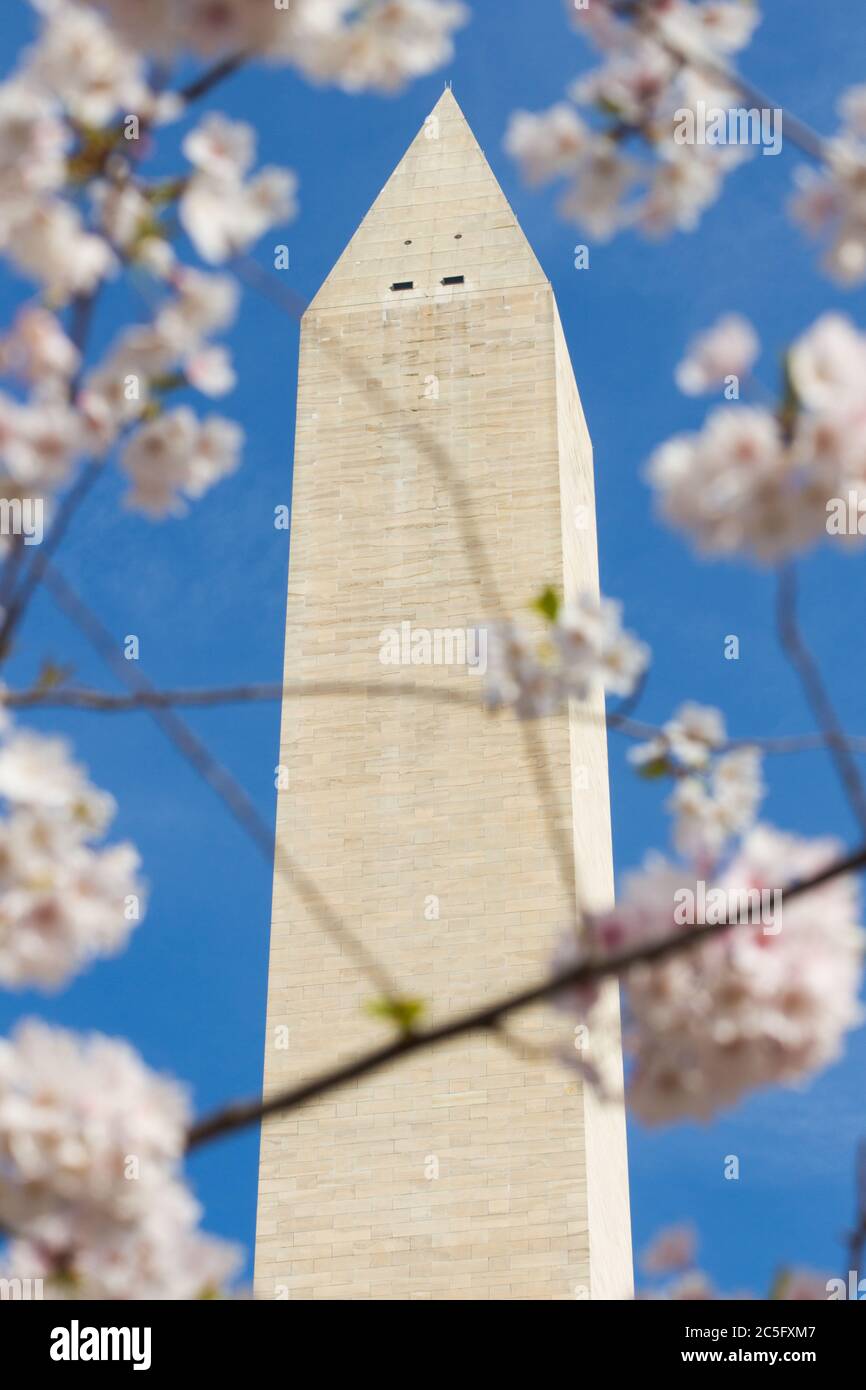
206	597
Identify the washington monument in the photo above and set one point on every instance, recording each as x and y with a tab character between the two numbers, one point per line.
443	476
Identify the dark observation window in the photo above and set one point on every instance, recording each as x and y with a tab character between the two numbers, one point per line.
453	280
403	285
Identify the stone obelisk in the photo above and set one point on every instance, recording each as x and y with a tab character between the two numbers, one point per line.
443	475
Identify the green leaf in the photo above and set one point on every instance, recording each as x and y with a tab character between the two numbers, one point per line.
402	1012
655	768
51	675
547	604
779	1284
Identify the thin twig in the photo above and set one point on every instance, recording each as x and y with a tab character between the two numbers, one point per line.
801	658
64	697
206	81
857	1235
16	600
102	701
799	133
11	568
36	571
230	792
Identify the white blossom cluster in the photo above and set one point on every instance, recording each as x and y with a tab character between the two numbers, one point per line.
585	649
222	213
90	1146
747	1007
616	142
77	77
64	900
59	115
768	482
172	454
355	44
716	793
42	436
830	202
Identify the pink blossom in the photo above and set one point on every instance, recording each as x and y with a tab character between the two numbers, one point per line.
84	1122
727	349
177	456
672	1249
157	1254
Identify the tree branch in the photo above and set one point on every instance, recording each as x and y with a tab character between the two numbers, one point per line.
149	699
211	77
229	1119
806	667
107	702
230	792
800	134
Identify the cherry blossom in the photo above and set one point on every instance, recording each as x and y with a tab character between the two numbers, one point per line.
178	456
39	442
748	1008
83	1124
159	1254
33	143
634	82
90	1146
210	371
37	771
516	677
712	29
716	794
770	483
38	351
830	202
711	810
116	393
595	198
548	143
595	649
63	901
672	1249
727	349
125	216
222	214
758	1003
111	396
687	740
619	151
79	60
52	246
683	183
380	45
827	366
226	149
734	487
204	304
357	44
588	651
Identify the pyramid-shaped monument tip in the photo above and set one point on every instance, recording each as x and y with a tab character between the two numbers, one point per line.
440	216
